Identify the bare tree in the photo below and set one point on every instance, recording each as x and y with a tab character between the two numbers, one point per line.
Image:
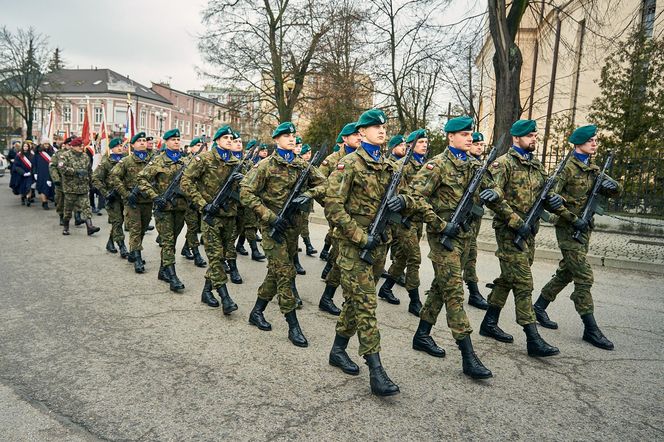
23	62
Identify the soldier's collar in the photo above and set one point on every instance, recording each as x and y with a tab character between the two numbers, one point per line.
458	155
224	154
583	157
349	149
372	151
141	154
419	158
523	153
116	157
286	155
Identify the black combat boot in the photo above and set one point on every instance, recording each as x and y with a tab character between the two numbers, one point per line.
65	227
62	219
150	227
131	257
326	304
542	316
415	305
23	200
224	265
206	295
325	253
77	219
256	254
123	249
535	344
475	298
385	274
174	282
90	228
472	366
294	331
401	280
380	382
162	275
490	327
326	270
198	258
310	249
234	273
158	240
139	266
385	291
110	247
423	341
186	252
592	333
258	237
298	268
296	294
339	357
239	247
229	306
45	205
256	316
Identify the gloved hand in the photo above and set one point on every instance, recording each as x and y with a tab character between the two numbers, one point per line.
160	203
489	196
35	175
397	203
49	183
372	242
132	200
301	200
280	225
26	174
81	173
237	176
524	231
211	209
554	201
608	184
450	230
580	224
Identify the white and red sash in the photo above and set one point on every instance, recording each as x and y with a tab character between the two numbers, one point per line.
26	162
45	156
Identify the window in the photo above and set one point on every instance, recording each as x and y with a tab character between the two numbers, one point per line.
143	119
66	113
186	128
196	126
98	115
177	123
81	114
198	107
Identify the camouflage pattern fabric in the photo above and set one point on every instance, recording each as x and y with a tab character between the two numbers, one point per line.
193	220
406	252
280	270
114	209
215	238
333	277
169	225
57	178
137	221
470	265
77	202
74	168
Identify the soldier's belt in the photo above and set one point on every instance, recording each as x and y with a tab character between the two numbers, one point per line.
362	220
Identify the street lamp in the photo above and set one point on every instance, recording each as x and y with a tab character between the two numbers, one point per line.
161	117
289	85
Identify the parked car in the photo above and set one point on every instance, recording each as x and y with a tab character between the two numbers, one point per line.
3	165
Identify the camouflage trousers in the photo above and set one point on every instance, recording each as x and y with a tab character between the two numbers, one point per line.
574	267
515	275
470	264
280	269
193	220
169	225
115	212
333	277
59	200
137	221
358	280
447	286
248	224
406	254
214	238
77	202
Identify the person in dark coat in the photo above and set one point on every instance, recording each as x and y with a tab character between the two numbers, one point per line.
42	159
22	180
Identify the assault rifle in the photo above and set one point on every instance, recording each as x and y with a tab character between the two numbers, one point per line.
288	209
464	211
173	189
592	204
535	212
225	192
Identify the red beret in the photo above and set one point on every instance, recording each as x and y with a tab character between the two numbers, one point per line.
78	141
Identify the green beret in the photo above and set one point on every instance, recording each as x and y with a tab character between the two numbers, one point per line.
372	117
251	144
284	128
523	127
582	134
477	136
195	141
348	129
137	136
263	147
298	140
305	148
171	134
339	139
114	143
458	124
236	135
395	141
419	133
223	130
336	148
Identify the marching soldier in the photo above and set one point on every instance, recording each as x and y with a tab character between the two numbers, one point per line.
237	150
573	185
57	179
114	206
351	140
249	224
324	254
74	168
192	218
519	176
265	191
475	298
153	181
309	248
201	181
123	178
354	193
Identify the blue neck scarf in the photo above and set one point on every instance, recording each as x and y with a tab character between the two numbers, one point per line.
237	155
418	157
478	157
256	159
348	149
223	153
395	156
372	150
583	157
174	155
141	154
116	157
458	153
524	153
287	155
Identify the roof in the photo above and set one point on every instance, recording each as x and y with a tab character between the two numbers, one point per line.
96	81
188	94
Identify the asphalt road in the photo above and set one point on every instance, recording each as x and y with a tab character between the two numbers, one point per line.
90	350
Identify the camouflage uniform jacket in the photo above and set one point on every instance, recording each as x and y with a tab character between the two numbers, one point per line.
520	181
329	164
101	174
436	190
124	176
53	166
267	186
155	178
70	165
205	176
354	192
